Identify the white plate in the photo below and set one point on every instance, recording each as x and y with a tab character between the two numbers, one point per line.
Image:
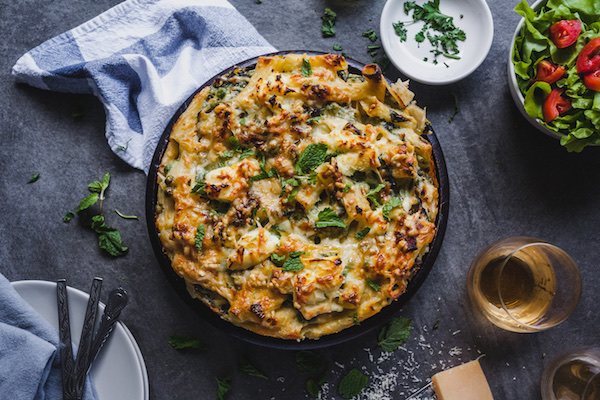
119	372
477	23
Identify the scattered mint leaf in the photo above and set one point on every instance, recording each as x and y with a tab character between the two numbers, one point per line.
355	319
394	334
313	386
456	108
374	286
68	217
109	238
313	155
224	386
124	148
246	153
199	187
234	142
352	384
125	216
180	342
312	178
389	206
34	178
306	68
370	34
243	121
314	119
373	194
277	259
337	47
328	25
249	369
100	187
309	362
199	237
360	235
436	325
329	218
87	202
293	264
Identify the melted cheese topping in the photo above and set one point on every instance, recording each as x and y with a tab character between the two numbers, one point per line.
315	189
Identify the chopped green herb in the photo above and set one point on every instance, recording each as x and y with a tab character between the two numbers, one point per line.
400	30
199	187
329	218
328	25
394	334
87	202
352	384
372	195
456	108
124	148
347	188
68	217
309	362
223	387
312	178
394	202
249	369
370	34
34	178
199	237
126	216
314	119
313	155
246	153
337	47
306	68
373	53
180	342
436	325
277	259
109	238
293	264
243	121
360	235
374	286
355	319
376	47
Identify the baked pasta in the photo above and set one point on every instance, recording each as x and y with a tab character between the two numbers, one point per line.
296	198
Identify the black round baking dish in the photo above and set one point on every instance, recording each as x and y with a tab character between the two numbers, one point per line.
367	325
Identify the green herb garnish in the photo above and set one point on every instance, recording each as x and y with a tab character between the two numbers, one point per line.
313	155
124	148
329	218
400	30
394	334
328	25
180	342
370	34
360	235
224	386
109	238
34	178
293	263
436	325
249	369
374	286
337	47
199	237
126	216
352	384
309	362
306	68
456	108
68	217
387	208
373	194
355	319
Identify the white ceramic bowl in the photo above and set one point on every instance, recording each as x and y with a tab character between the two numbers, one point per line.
514	88
477	23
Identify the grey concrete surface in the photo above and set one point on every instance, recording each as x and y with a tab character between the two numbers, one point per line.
506	179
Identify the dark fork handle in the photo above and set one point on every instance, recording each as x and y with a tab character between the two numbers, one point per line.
87	336
67	364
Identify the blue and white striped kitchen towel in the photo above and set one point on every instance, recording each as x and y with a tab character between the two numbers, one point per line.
142	59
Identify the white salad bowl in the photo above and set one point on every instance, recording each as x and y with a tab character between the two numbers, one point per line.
407	56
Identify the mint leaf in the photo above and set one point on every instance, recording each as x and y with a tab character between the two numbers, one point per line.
224	386
293	264
370	34
68	217
352	384
337	47
180	342
109	238
234	142
249	369
327	27
436	325
125	216
306	68
374	286
87	202
99	187
277	259
328	217
313	386
199	237
361	234
372	195
394	334
313	155
394	202
246	153
400	30
34	178
199	187
309	362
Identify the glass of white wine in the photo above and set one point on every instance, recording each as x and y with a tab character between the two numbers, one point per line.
523	284
572	375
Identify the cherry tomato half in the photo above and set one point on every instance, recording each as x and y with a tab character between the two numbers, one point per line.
588	59
564	33
548	72
592	80
555	104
